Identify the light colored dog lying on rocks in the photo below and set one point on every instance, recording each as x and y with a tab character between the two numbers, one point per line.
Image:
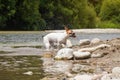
57	39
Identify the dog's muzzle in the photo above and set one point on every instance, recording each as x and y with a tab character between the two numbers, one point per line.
73	35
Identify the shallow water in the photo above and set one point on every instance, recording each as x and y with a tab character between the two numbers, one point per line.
13	68
36	38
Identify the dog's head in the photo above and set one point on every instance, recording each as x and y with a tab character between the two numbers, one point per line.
69	32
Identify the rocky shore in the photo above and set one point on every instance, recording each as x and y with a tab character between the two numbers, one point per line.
89	60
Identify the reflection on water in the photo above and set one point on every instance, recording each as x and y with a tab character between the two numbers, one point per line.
13	68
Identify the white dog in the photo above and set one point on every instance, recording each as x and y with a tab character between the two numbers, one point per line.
58	39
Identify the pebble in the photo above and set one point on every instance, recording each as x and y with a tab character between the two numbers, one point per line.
28	73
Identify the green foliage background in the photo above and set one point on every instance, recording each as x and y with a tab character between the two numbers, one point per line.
53	14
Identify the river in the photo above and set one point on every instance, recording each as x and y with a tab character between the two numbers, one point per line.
36	37
15	67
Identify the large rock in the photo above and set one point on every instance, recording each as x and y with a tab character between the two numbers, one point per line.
81	55
65	53
84	42
95	40
116	70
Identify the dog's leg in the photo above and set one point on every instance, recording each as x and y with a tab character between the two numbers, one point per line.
46	43
63	45
58	45
52	45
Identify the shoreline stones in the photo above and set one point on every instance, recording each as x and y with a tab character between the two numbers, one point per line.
64	53
98	55
115	75
81	55
87	69
91	49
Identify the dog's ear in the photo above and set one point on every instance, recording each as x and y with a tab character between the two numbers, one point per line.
66	28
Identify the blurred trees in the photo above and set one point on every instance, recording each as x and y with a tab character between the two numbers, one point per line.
7	11
28	15
74	12
110	13
111	10
53	14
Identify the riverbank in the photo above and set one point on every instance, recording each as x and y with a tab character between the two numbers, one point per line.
102	62
76	30
63	69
